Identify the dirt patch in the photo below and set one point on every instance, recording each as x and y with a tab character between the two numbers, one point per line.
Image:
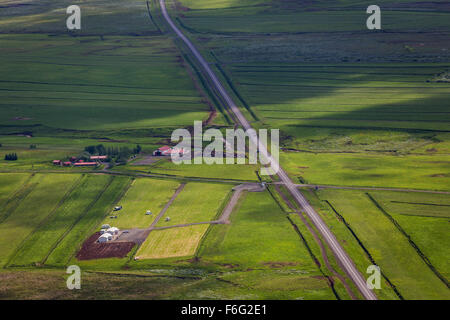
276	265
440	175
21	118
91	249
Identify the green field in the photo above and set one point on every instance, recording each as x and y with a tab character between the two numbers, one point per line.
198	202
87	223
355	108
144	194
45	238
398	260
188	207
48	191
170	243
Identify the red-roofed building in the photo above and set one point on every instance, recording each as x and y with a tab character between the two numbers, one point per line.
167	151
57	162
67	164
84	164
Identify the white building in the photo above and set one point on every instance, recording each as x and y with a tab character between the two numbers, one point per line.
105	238
113	231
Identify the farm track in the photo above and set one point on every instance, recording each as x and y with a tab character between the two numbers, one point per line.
343	258
225	216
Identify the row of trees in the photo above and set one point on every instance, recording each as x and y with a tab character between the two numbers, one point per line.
11	157
116	154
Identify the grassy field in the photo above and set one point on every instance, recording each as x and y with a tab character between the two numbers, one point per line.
87	223
198	202
170	243
187	208
144	194
46	196
390	248
10	184
242	172
354	108
260	236
372	170
47	236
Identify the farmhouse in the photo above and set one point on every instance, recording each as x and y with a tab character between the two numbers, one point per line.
167	151
57	162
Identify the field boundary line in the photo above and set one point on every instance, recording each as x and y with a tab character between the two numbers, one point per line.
320	244
411	242
88	232
17	196
151	18
88	208
236	92
314	258
75	184
369	255
368	188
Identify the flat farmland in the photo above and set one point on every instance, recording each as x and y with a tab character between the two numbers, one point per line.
45	238
87	223
241	172
392	251
231	17
10	184
346	95
369	170
143	195
101	17
104	75
259	233
45	197
170	243
198	202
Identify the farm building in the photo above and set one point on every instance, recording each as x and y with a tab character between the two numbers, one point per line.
85	164
57	162
67	164
99	158
113	230
105	238
167	151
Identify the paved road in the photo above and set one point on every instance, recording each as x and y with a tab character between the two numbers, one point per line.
342	257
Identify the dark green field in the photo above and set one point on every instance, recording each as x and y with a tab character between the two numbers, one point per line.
364	112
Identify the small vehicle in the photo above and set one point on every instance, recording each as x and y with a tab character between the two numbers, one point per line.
148	213
117	208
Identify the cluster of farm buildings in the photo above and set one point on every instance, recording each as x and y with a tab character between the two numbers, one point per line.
167	151
73	161
108	233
